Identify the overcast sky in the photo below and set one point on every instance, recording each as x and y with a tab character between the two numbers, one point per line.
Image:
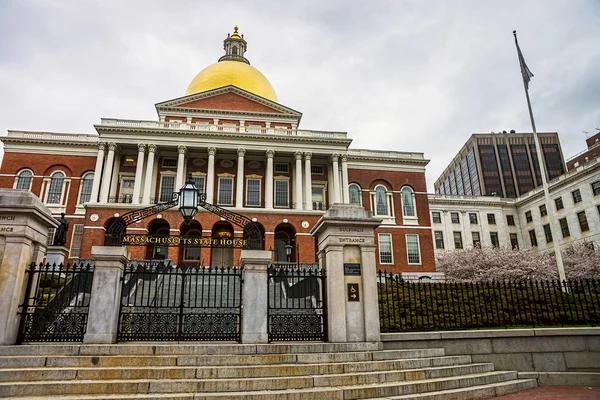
401	75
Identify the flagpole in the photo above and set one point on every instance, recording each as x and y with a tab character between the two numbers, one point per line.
538	149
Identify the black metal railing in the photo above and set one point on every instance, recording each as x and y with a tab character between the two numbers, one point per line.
125	199
297	302
159	302
426	306
56	304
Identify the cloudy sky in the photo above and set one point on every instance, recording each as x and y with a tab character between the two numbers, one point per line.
406	75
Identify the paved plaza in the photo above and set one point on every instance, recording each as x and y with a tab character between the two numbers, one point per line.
556	393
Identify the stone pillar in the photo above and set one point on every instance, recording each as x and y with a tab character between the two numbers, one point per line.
97	173
307	182
239	179
336	178
56	255
139	170
345	188
149	173
347	252
210	176
24	224
254	296
114	182
103	317
269	180
179	179
298	180
108	170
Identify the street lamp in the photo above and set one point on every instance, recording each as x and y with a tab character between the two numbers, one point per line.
288	250
188	200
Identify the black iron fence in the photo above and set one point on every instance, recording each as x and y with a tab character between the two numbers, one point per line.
422	306
56	304
160	302
296	302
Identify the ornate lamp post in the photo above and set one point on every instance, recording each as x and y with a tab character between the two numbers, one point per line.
188	200
288	251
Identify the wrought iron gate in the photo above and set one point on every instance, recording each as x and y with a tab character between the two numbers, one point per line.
297	302
160	302
56	304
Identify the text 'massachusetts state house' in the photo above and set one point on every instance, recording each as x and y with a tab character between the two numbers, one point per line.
244	150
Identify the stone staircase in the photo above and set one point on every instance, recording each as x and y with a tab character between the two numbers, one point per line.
298	371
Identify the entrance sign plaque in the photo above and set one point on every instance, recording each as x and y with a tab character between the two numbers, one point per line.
353	294
351	269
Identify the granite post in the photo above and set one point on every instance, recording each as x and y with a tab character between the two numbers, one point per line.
254	295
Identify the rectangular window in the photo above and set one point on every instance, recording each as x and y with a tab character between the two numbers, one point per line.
514	242
412	249
317	169
253	192
564	227
225	196
169	163
576	196
76	240
510	220
167	185
583	223
318	197
282	168
494	239
559	203
596	188
199	182
476	239
439	239
282	197
385	248
454	218
491	219
51	232
543	211
533	238
548	233
436	217
528	216
458	244
473	218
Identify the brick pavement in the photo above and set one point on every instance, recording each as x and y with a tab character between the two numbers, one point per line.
556	393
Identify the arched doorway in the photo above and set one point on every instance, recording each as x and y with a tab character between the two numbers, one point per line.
285	234
111	239
262	236
222	256
158	228
191	254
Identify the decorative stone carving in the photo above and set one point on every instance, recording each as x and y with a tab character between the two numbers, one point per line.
212	151
141	147
152	148
270	153
101	146
181	149
112	146
241	152
307	155
298	155
344	158
334	157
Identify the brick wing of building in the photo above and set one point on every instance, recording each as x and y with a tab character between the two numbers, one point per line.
245	152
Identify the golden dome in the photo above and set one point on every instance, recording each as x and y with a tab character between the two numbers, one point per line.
236	73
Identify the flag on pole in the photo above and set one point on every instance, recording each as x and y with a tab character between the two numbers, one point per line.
525	71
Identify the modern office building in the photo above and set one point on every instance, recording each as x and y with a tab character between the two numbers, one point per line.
592	151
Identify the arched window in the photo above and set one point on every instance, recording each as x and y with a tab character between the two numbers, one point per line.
408	202
355	196
381	201
87	181
24	180
56	188
234	50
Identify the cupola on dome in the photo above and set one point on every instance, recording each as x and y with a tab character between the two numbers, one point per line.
233	69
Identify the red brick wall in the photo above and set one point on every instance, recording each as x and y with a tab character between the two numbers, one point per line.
229	101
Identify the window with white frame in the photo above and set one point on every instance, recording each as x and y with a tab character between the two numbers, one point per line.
167	186
253	192
169	162
385	248
317	169
225	197
24	179
76	241
282	190
318	197
355	194
87	181
408	202
56	188
199	182
282	167
382	206
51	232
412	249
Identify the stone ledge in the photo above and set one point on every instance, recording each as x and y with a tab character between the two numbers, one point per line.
580	379
488	334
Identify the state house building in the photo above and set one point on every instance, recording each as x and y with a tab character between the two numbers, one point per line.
244	150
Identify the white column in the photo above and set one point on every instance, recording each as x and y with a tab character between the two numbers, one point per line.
239	179
269	180
179	179
149	172
345	189
336	178
108	169
210	178
139	170
97	173
114	182
298	180
307	182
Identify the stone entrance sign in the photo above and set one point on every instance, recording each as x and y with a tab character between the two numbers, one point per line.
346	250
24	224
